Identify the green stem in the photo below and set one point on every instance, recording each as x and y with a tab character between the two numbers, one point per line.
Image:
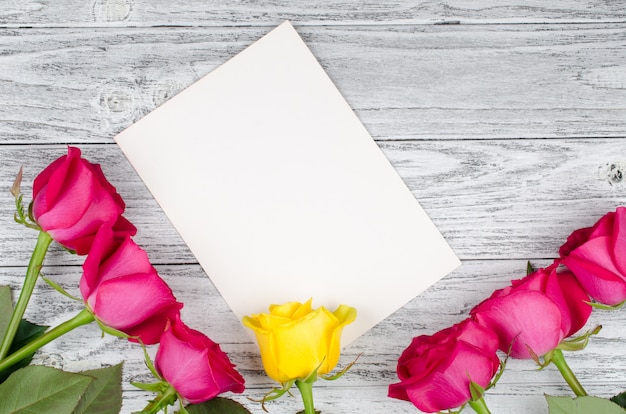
32	273
162	400
480	406
559	360
306	390
84	317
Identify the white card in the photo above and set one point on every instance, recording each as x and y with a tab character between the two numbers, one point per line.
281	193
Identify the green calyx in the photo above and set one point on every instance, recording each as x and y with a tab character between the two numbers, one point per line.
166	396
22	215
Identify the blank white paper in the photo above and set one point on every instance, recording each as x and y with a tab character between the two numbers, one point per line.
281	193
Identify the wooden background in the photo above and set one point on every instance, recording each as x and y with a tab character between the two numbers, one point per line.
506	119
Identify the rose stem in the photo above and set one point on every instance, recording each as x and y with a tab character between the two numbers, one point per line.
161	401
306	390
32	273
84	317
559	360
480	406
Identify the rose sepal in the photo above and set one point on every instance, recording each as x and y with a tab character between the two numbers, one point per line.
479	406
274	394
477	392
166	394
580	342
114	332
20	216
54	285
285	388
340	373
601	306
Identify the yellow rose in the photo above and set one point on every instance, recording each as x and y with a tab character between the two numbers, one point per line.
295	340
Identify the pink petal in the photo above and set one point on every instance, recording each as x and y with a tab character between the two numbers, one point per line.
129	300
101	209
448	387
571	299
44	176
151	330
618	241
127	259
101	248
195	365
523	319
68	194
96	169
600	283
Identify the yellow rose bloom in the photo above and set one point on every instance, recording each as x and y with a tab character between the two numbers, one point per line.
294	339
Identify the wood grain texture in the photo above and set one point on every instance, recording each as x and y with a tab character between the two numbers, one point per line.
490	198
506	119
116	13
404	82
366	384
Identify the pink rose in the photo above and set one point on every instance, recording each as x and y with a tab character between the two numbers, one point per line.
123	289
195	365
535	313
72	199
597	256
435	371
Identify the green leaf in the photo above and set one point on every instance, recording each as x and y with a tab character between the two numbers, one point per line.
529	268
104	394
26	331
39	389
218	405
582	405
6	309
620	399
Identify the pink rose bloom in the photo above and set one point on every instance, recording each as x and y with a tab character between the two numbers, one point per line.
435	371
72	199
195	365
597	256
536	312
123	289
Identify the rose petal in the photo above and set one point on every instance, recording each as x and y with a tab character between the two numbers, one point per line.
618	241
127	301
524	319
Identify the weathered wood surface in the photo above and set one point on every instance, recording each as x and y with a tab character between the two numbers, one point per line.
269	13
404	82
489	198
508	123
364	387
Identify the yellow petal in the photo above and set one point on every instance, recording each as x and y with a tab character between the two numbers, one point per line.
295	340
288	309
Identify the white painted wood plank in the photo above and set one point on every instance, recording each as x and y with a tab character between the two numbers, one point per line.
404	82
490	199
460	110
601	367
240	13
